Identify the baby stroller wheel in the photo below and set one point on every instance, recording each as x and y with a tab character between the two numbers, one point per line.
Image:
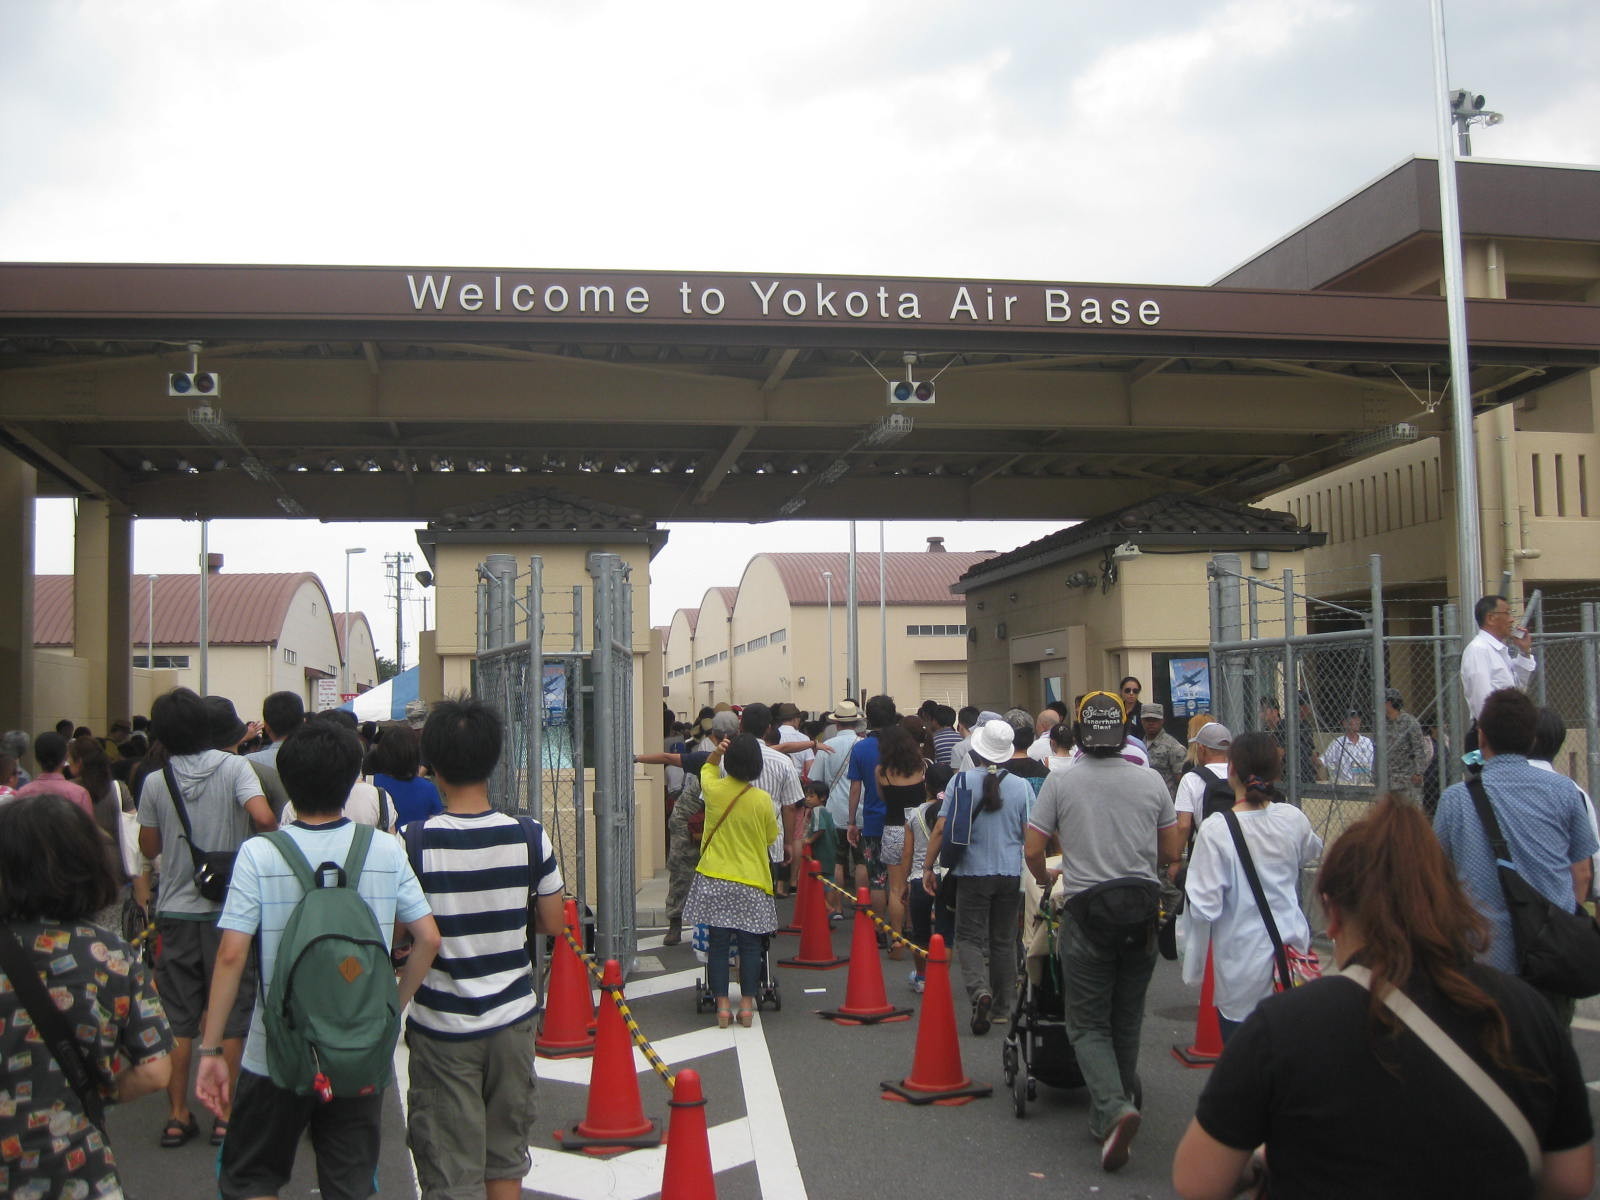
1020	1094
1008	1061
704	1001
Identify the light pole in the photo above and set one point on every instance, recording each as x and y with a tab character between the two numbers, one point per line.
349	552
827	580
150	631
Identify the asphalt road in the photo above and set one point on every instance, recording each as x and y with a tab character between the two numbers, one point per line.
795	1110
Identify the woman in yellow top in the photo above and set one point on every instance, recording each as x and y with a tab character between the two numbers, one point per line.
732	888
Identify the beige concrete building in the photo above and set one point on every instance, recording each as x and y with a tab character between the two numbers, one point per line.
1122	594
769	639
266	633
1531	233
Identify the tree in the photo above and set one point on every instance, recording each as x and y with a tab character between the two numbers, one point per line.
387	669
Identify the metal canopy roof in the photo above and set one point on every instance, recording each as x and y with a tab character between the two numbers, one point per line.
342	398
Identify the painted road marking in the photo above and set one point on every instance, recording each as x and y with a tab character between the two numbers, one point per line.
685	1047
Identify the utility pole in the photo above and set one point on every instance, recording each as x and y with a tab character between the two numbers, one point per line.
397	570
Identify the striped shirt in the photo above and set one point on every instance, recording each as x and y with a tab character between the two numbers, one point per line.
945	742
264	892
479	870
780	779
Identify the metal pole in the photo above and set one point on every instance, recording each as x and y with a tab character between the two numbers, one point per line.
883	613
205	597
150	656
534	703
1252	700
1291	696
1437	626
1591	693
1231	629
852	640
614	800
1453	727
1541	678
1380	740
827	579
1469	541
576	681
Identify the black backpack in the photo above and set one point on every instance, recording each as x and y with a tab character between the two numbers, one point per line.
1216	797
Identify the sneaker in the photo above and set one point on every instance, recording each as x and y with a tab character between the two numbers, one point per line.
980	1013
836	917
917	983
1117	1148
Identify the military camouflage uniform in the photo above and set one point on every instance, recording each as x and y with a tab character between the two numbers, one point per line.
1408	755
1167	757
683	853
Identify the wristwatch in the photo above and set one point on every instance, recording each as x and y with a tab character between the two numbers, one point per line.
208	1051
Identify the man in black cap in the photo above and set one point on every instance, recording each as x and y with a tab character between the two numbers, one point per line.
1117	829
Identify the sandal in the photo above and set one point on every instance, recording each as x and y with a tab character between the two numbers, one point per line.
747	1017
175	1133
219	1132
724	1016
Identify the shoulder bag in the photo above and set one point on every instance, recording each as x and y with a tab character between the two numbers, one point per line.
81	1073
1459	1061
212	869
1557	949
707	843
1291	968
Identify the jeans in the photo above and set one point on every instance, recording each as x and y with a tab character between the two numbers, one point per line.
1105	989
718	939
987	910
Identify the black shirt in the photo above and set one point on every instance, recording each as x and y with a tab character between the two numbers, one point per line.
1347	1112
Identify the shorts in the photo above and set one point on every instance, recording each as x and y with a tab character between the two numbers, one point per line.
264	1132
470	1109
183	977
893	845
868	853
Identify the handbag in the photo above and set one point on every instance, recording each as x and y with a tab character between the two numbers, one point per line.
1459	1061
84	1076
212	869
1291	967
1557	950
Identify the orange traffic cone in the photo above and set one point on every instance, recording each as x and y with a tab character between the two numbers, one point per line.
1207	1047
615	1120
566	1030
797	917
816	933
865	1001
687	1173
936	1075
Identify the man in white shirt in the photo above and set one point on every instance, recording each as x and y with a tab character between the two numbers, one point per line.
1211	742
1489	663
1348	758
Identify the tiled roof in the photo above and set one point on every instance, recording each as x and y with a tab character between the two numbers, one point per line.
729	596
1173	518
910	576
692	616
339	627
243	610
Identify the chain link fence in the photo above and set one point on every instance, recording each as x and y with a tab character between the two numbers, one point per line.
1319	661
564	686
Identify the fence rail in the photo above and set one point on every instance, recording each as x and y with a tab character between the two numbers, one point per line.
1316	672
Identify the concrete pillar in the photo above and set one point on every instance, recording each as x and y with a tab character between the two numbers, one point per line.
17	483
102	560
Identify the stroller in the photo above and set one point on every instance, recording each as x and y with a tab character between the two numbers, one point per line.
1036	1048
767	995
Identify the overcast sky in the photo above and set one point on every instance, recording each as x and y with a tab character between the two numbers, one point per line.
1158	142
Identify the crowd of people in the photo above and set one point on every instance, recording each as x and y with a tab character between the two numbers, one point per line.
315	893
305	874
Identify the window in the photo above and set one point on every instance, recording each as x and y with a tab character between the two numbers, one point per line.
757	643
722	656
290	656
738	650
936	631
164	662
777	635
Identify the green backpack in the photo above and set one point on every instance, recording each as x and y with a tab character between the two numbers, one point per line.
332	1010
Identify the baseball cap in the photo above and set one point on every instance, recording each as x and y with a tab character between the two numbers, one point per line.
1212	736
1101	721
1152	712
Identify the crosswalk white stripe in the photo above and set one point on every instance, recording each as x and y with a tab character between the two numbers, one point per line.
685	1047
776	1165
630	1176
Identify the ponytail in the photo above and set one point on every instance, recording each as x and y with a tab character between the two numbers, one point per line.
1256	760
991	790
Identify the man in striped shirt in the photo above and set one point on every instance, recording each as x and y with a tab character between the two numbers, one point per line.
471	1027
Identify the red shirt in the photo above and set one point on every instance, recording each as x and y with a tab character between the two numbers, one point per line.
57	784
